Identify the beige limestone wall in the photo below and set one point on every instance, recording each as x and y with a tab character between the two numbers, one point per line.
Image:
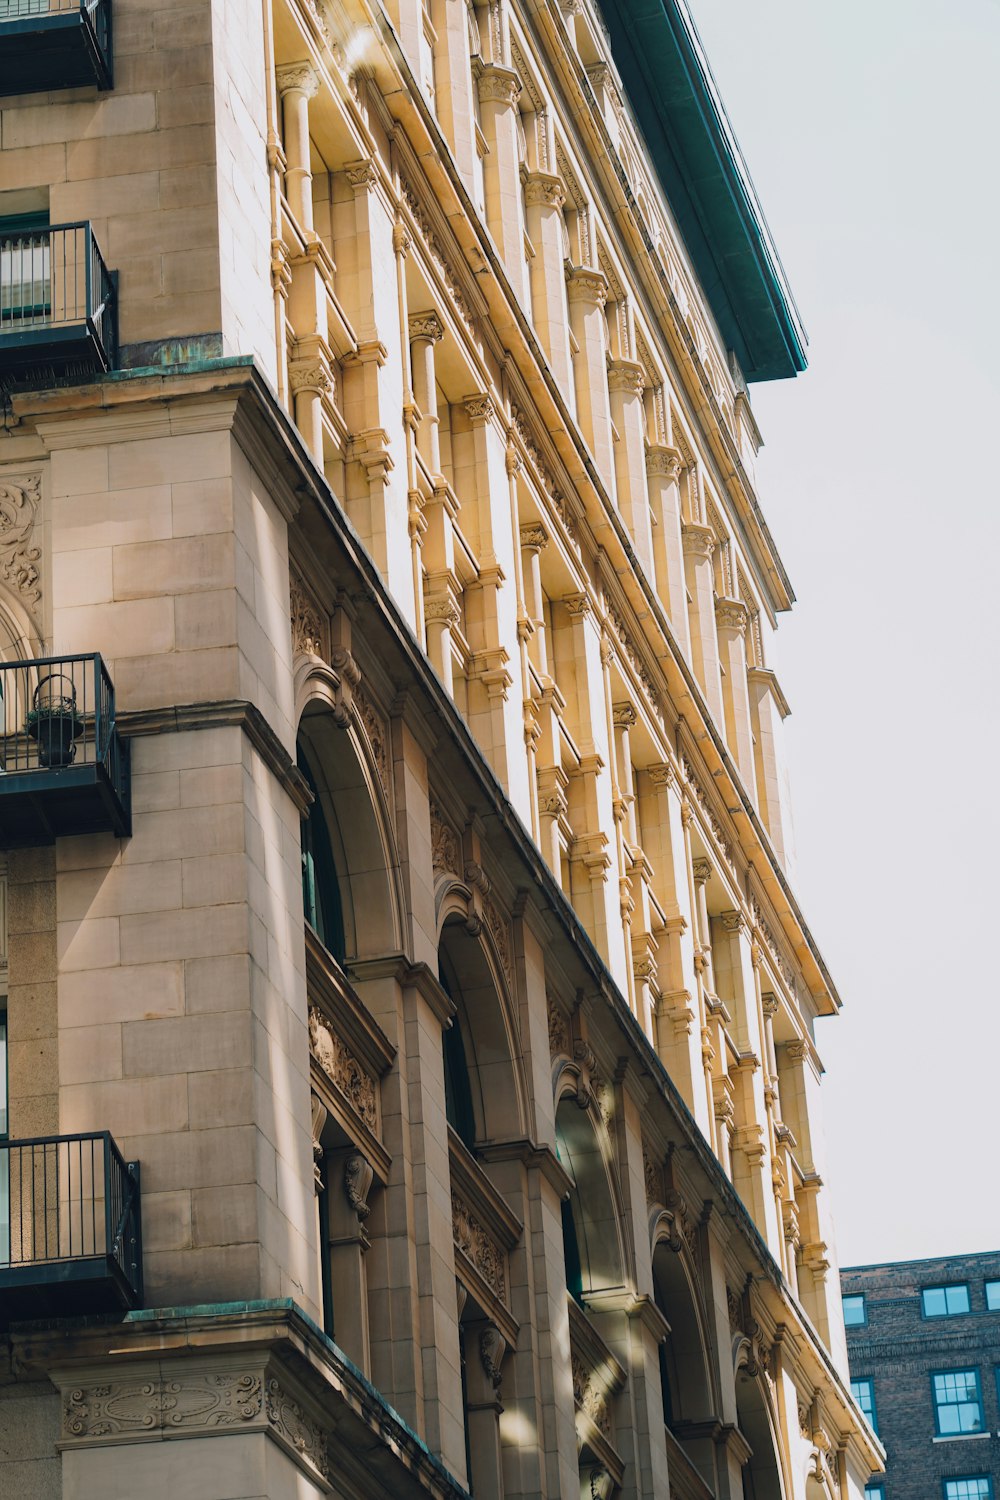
32	1015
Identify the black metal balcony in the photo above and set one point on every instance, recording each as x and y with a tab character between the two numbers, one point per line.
54	44
70	1227
64	768
58	304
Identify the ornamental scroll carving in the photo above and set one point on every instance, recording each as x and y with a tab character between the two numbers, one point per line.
196	1401
342	1068
499	930
375	731
444	843
558	1028
18	557
478	1246
297	1428
309	629
589	1397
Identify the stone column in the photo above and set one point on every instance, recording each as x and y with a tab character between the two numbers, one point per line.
499	90
768	709
663	467
485	1347
425	331
731	625
297	84
349	1177
699	544
588	292
626	383
622	718
544	199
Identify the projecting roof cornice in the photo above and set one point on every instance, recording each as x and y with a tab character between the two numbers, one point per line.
669	83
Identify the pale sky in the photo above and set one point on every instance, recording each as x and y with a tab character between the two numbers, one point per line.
872	132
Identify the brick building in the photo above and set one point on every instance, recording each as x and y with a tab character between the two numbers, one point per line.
923	1340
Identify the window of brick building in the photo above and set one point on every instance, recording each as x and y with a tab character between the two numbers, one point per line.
944	1301
874	1492
958	1402
855	1314
976	1487
863	1392
993	1296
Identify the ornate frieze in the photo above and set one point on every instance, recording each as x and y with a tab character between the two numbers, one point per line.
342	1068
544	474
558	1027
19	557
588	1395
191	1403
309	627
445	855
498	928
478	1246
433	245
375	732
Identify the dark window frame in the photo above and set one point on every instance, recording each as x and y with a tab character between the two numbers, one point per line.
965	1370
945	1287
968	1479
869	1381
995	1305
846	1297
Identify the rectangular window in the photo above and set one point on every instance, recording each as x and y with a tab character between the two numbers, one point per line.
958	1402
25	279
993	1296
863	1392
944	1301
855	1315
874	1492
975	1488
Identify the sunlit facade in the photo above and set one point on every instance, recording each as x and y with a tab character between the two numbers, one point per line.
410	1022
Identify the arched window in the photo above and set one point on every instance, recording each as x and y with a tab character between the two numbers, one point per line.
321	900
458	1087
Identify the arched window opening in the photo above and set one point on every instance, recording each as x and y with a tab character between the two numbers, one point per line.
321	899
458	1088
590	1219
571	1254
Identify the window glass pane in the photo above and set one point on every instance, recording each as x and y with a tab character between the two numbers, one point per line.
863	1392
874	1492
978	1488
854	1311
957	1403
993	1296
944	1301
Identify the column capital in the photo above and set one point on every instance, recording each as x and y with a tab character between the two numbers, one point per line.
298	77
663	461
623	714
583	284
542	189
579	605
701	869
534	537
498	85
731	614
363	175
627	376
425	325
480	407
662	774
697	541
733	921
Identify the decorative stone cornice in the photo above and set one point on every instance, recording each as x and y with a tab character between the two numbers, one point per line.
498	85
697	541
298	77
583	284
543	190
425	325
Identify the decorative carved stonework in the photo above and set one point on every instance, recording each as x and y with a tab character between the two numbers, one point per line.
425	325
308	627
542	190
297	1428
492	1348
18	557
499	930
589	1397
480	408
558	1027
299	76
548	484
362	175
651	1177
478	1246
342	1068
358	1178
433	246
376	735
499	85
534	537
445	857
198	1401
731	614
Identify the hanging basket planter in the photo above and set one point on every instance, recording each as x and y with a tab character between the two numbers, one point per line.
53	722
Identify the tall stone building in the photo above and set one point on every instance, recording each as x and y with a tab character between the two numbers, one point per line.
412	1072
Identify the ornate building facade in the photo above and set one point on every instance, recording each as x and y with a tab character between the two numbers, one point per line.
410	1022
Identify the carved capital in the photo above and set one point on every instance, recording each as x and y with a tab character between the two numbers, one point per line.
578	605
310	375
626	376
499	85
543	190
662	775
358	1178
701	869
298	77
697	541
480	408
623	715
733	921
663	462
731	614
363	176
492	1348
586	285
534	537
425	325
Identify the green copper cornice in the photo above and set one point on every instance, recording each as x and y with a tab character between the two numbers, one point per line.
677	104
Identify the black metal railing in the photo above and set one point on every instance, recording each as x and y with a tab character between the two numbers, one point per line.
54	44
70	1213
57	711
53	284
64	768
